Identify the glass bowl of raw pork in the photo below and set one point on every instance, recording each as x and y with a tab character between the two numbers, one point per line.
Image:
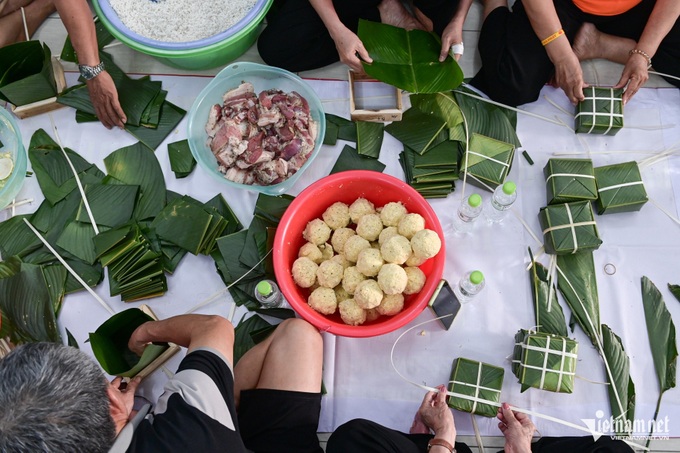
256	127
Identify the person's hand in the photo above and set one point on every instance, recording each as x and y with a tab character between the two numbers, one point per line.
569	76
635	75
137	341
351	49
517	428
453	34
122	400
104	97
435	414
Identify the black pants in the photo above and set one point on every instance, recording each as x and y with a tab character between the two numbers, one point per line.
515	66
364	436
296	38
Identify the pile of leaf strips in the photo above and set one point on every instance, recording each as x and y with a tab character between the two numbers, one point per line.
433	132
26	74
368	138
150	117
144	231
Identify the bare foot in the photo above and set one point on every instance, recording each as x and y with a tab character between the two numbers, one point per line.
587	43
392	12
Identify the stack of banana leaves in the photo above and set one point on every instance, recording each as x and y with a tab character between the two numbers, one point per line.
368	138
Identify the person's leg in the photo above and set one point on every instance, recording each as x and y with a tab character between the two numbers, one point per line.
365	436
580	444
291	358
12	24
439	12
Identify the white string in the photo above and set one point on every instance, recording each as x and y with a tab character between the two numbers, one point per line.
16	204
662	209
570	175
75	174
23	18
478	436
618	186
68	268
664	75
467	149
554	104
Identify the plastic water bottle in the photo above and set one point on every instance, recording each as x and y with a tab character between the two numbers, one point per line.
501	200
269	295
469	286
468	211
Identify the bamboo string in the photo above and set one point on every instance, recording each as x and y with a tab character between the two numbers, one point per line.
491	403
75	275
23	19
557	106
664	75
75	174
16	204
478	436
662	209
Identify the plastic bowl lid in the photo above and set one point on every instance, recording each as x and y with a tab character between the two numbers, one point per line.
10	136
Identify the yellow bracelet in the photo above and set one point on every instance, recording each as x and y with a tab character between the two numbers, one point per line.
644	55
552	37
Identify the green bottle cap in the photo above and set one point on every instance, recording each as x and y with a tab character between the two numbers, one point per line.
264	288
476	277
509	188
475	200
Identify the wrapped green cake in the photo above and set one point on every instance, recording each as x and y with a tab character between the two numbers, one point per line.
545	362
569	228
570	180
487	161
476	387
620	188
601	112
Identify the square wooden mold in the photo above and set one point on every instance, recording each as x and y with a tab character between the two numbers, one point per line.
46	105
382	108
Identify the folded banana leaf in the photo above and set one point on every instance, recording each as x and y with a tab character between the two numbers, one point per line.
601	112
220	205
549	315
182	162
101	198
569	228
621	388
26	74
104	37
620	188
419	131
487	160
578	285
546	362
346	129
350	159
170	117
369	138
110	344
487	119
441	105
476	387
570	180
675	290
408	59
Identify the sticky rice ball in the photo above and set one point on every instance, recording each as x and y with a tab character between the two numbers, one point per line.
387	233
351	278
371	314
311	251
369	227
391	304
392	279
317	232
392	213
414	260
304	272
329	274
336	216
368	294
341	294
416	280
326	251
410	224
426	244
360	208
341	260
396	249
353	246
323	300
339	238
369	262
351	313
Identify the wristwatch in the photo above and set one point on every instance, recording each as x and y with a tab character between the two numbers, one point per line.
90	72
440	443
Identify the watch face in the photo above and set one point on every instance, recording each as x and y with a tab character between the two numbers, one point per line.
90	72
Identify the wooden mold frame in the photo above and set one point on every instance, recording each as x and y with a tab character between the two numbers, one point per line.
161	359
46	105
376	115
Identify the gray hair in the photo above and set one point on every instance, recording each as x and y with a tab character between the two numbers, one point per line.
53	398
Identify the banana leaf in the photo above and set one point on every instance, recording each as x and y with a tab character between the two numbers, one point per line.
16	238
152	112
331	135
675	290
104	37
183	223
546	362
419	131
26	73
272	207
441	105
549	315
222	207
569	227
600	112
110	344
170	117
182	162
91	275
408	59
369	138
55	277
570	180
71	340
470	379
232	269
620	188
621	387
255	247
350	159
488	160
487	119
102	197
576	281
27	307
243	341
444	154
77	240
661	332
135	165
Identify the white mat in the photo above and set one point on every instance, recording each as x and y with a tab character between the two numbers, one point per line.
358	374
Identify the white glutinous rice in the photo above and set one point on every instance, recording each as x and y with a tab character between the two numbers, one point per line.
180	20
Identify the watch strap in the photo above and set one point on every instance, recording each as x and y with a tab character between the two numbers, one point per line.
442	443
90	72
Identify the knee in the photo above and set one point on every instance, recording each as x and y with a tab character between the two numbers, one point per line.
350	436
272	49
301	332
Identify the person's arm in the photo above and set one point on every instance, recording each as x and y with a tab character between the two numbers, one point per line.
635	72
568	72
517	428
77	18
190	331
346	41
453	33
